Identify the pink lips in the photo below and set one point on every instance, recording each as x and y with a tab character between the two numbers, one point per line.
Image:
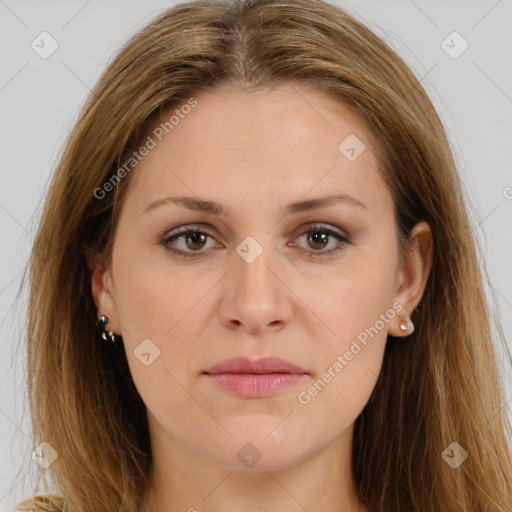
255	379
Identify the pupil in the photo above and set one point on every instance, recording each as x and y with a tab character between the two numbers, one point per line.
197	238
319	237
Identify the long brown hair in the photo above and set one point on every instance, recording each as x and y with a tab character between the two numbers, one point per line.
439	387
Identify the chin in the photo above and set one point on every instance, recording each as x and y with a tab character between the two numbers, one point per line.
263	452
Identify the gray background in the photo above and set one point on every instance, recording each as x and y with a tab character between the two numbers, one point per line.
40	98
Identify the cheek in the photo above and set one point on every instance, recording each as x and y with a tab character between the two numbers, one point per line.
174	309
351	300
347	363
163	315
156	301
358	311
160	313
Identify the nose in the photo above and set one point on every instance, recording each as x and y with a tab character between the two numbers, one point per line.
255	297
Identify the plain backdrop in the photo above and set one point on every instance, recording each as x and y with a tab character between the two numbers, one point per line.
40	99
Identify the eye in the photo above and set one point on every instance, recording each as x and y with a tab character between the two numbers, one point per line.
191	237
194	238
318	237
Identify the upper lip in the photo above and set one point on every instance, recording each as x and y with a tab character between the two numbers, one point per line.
270	364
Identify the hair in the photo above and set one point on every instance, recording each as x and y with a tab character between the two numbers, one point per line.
439	386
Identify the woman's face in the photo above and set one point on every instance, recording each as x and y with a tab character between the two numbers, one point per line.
318	284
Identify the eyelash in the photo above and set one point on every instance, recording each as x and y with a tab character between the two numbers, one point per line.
198	229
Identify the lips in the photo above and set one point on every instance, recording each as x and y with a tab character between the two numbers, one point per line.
255	379
265	365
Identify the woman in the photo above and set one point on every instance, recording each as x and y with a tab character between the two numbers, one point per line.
254	284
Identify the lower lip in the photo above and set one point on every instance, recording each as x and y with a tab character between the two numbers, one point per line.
252	385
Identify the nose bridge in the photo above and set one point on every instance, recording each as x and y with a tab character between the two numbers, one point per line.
253	296
254	256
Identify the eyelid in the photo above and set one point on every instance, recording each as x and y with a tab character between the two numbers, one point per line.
187	228
208	229
321	226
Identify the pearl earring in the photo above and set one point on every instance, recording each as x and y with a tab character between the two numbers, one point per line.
406	324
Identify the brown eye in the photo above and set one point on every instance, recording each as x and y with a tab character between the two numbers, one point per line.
192	241
195	240
318	238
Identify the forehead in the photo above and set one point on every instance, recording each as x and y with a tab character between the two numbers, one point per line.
280	142
285	114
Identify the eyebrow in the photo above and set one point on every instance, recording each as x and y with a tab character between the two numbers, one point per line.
214	208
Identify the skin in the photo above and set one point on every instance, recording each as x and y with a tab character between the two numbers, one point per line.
272	147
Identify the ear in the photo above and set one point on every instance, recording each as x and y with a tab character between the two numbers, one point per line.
412	275
102	288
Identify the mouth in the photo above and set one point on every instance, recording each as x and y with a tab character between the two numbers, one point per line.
265	365
251	385
260	378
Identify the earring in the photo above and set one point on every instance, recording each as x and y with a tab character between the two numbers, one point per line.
107	335
406	324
